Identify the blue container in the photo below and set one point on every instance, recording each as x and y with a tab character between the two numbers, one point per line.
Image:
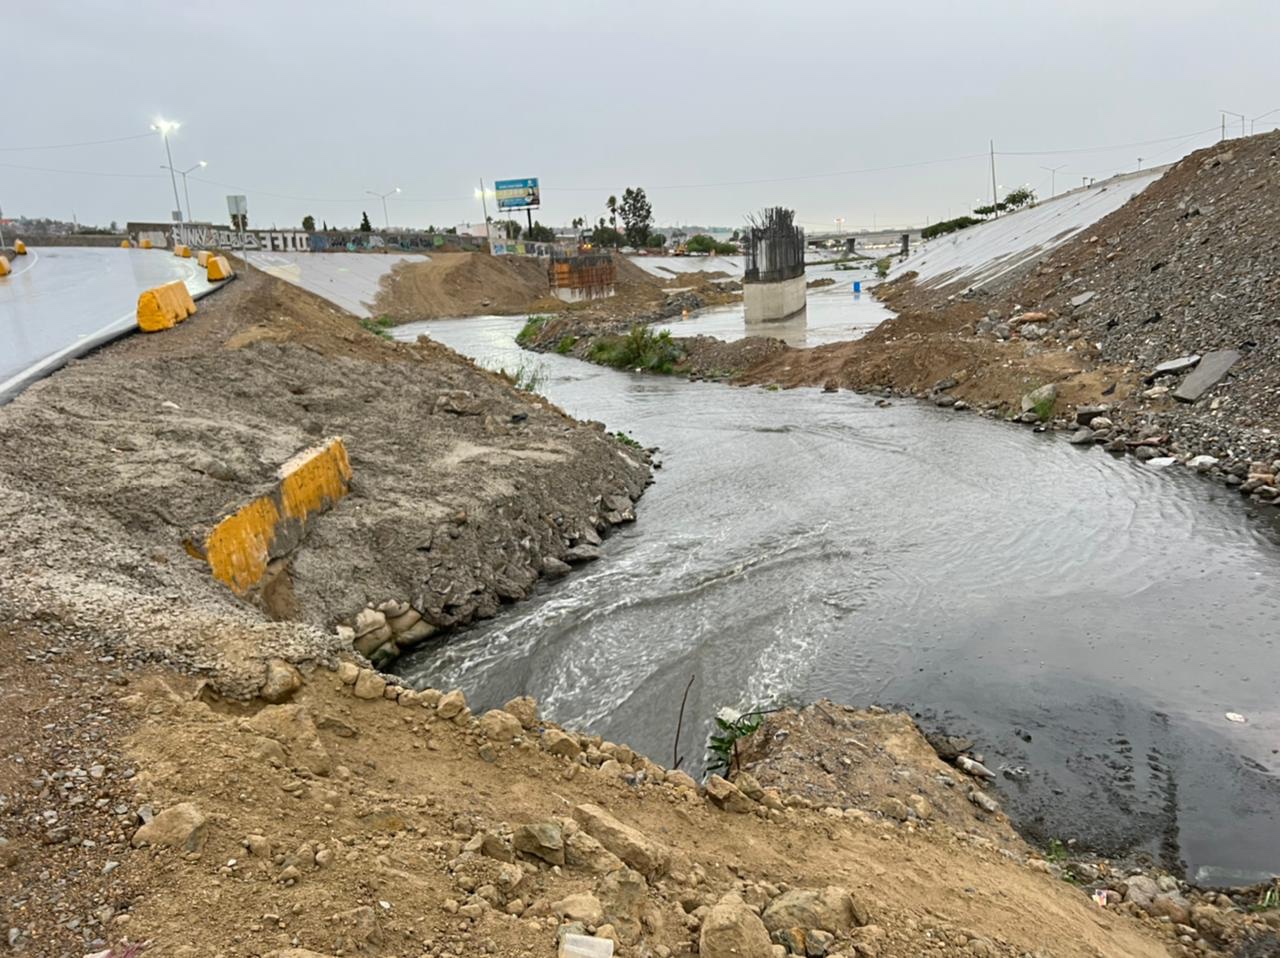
857	286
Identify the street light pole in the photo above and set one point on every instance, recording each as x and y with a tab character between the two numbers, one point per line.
163	127
185	190
383	196
1053	178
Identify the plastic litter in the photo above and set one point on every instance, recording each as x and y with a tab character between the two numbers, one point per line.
585	946
1100	897
1236	717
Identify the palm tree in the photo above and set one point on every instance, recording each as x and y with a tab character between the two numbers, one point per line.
611	204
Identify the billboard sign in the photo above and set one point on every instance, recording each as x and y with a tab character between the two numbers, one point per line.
517	194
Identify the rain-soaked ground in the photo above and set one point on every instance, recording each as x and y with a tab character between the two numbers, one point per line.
1087	619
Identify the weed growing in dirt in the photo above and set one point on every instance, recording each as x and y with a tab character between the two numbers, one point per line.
1044	408
882	266
626	440
379	326
1056	852
640	349
529	377
566	344
529	331
723	747
1268	900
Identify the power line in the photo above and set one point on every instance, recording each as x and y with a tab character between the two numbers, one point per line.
46	169
67	146
1105	149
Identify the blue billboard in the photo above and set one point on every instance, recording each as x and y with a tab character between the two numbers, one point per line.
517	194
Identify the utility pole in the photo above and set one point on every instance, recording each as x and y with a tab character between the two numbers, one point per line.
995	200
1053	178
1139	164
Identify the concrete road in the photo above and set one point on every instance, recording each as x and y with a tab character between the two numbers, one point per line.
60	300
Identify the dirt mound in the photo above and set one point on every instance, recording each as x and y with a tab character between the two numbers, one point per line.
347	821
464	489
462	284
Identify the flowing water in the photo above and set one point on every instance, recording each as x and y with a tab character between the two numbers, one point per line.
1087	618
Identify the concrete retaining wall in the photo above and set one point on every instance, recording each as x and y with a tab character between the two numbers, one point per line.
769	301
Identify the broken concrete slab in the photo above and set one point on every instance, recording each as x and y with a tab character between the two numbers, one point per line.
1078	301
1212	368
1175	366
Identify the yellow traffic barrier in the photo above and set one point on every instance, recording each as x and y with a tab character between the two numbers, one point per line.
219	268
202	257
182	250
125	244
239	547
4	266
164	306
145	244
20	247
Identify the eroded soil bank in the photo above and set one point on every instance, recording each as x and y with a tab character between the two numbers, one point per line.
213	774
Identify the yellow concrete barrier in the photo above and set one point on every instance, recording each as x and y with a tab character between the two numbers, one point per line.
4	266
164	306
20	247
202	257
240	545
219	268
145	244
125	244
183	251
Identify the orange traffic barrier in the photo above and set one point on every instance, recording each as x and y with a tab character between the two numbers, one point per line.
145	244
240	545
4	266
20	247
202	257
164	306
125	244
182	250
219	268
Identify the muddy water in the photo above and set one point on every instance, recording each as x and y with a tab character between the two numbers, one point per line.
1087	619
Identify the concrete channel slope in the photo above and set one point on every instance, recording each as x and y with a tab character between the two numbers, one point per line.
60	302
349	280
980	254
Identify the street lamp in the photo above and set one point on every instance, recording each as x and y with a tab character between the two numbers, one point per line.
383	196
164	128
1053	177
183	174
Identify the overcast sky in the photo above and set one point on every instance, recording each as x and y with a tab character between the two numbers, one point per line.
716	108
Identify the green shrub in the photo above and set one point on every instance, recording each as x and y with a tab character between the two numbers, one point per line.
882	266
702	243
378	326
532	326
640	349
723	747
626	440
948	226
566	344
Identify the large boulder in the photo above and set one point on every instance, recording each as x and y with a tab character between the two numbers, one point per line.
183	827
500	726
583	907
832	909
543	840
732	930
642	853
1040	401
724	794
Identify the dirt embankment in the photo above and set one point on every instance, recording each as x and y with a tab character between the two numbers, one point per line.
462	284
1186	269
465	490
173	779
361	818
